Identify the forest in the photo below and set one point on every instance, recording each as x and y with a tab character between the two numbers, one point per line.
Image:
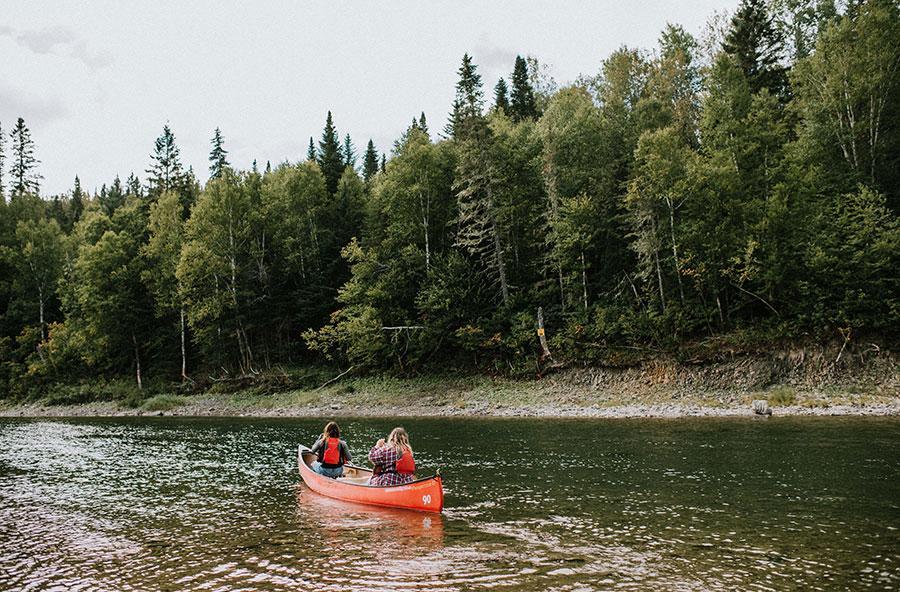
737	187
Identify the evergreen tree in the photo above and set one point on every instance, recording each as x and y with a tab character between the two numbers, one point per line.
370	162
501	97
76	205
349	152
25	178
423	125
755	43
522	103
2	165
113	198
165	172
330	157
469	99
383	162
217	156
268	166
311	150
133	186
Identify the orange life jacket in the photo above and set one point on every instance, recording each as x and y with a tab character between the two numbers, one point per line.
330	453
406	465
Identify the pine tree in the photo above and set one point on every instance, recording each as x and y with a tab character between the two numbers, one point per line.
349	152
165	172
469	99
330	158
311	151
370	162
76	205
423	125
113	198
756	45
25	178
2	158
217	155
133	186
501	97
522	102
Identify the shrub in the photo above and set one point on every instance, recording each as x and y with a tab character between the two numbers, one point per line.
163	402
782	396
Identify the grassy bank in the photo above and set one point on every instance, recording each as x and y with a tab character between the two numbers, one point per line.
792	381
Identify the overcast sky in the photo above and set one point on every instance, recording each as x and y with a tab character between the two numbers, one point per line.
96	81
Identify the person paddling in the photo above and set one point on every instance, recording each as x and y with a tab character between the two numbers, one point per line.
393	460
331	452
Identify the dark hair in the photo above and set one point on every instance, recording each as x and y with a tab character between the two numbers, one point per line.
331	430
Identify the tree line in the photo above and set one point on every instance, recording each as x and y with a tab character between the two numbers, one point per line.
744	184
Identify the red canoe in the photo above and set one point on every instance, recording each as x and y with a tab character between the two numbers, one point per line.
425	494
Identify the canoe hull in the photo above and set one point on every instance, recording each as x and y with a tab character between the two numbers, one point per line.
426	495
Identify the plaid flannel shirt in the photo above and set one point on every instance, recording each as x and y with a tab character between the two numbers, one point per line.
385	461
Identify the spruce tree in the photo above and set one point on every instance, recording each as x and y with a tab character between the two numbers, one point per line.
25	178
113	198
423	125
217	156
76	205
469	99
501	97
370	162
165	172
133	186
2	158
756	45
311	151
331	158
522	102
349	152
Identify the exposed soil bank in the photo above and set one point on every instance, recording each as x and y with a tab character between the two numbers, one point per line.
800	381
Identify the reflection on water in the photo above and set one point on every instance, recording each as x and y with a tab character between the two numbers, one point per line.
179	504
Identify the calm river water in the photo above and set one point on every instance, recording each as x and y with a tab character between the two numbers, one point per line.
216	504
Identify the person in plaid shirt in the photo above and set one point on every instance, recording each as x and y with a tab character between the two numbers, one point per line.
385	455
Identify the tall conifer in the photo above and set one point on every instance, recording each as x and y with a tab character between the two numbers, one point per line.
25	178
330	158
756	45
217	156
2	164
311	150
349	152
165	172
501	97
76	205
370	161
469	99
522	102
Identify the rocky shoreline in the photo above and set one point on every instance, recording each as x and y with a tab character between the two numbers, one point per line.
790	382
218	408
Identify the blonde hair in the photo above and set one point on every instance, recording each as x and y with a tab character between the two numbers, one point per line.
331	431
399	440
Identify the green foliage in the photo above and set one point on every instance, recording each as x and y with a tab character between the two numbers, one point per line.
330	157
663	203
782	396
522	104
218	156
163	403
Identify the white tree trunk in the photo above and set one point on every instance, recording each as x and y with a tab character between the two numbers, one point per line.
137	362
184	375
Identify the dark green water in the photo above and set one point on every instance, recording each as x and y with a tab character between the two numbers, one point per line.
211	504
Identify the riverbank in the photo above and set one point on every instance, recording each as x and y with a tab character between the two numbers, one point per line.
791	382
